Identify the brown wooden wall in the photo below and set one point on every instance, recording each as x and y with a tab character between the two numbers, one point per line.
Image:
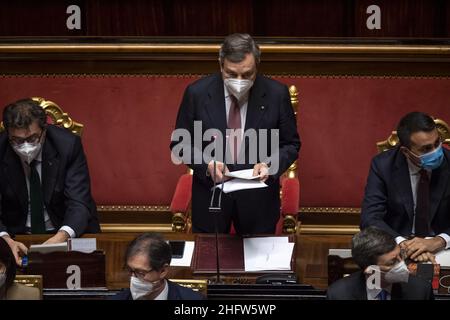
267	18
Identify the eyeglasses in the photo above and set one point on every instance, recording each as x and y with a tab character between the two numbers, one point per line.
34	138
140	274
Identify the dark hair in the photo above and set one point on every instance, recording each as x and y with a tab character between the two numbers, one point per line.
22	113
369	244
7	259
152	245
236	46
411	123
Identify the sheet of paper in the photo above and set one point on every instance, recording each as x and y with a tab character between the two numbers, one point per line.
343	253
239	184
443	258
47	248
86	245
246	174
185	261
267	253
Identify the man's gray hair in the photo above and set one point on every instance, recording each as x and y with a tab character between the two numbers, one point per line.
236	46
369	244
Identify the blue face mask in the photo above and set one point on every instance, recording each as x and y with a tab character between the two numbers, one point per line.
432	160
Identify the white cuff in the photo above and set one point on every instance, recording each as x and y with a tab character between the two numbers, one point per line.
446	237
3	233
400	239
69	230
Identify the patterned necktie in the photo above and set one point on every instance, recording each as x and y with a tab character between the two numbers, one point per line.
234	122
36	201
382	295
422	219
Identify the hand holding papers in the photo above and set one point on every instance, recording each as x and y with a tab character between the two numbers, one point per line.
243	179
246	174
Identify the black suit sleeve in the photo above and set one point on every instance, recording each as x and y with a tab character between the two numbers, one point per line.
185	120
2	226
374	207
289	138
77	190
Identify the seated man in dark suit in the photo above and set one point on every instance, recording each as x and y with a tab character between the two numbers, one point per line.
408	190
384	274
147	259
44	179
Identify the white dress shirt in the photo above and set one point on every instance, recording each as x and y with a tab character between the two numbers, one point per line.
165	293
48	223
414	175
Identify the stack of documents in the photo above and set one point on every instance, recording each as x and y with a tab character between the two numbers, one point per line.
47	248
242	179
267	253
185	261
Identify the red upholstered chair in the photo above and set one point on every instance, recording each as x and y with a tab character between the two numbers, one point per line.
289	193
180	205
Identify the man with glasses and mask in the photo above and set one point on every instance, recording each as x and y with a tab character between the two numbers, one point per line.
408	190
384	274
147	260
234	102
44	179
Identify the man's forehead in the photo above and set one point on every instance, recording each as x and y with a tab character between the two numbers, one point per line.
423	138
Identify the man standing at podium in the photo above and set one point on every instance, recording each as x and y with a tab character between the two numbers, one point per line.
44	179
234	103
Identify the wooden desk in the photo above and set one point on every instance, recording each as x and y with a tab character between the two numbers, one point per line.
114	245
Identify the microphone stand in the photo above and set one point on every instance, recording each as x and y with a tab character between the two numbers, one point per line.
215	210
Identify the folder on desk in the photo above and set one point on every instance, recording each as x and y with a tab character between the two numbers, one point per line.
231	255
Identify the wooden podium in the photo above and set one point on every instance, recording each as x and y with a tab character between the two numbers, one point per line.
231	259
68	270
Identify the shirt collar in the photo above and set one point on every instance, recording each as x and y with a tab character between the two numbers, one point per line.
165	293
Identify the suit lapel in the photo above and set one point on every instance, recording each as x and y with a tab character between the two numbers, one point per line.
50	165
13	169
257	105
215	105
360	291
438	184
402	182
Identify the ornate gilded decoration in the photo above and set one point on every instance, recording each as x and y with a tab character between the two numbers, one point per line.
30	281
196	285
59	117
392	140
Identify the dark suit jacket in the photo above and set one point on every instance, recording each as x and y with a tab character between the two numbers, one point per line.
269	107
65	183
353	287
176	292
388	200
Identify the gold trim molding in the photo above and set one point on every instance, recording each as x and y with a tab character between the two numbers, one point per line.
162	48
135	227
132	208
328	229
166	208
334	210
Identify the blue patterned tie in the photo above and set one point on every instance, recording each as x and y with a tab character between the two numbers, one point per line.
382	295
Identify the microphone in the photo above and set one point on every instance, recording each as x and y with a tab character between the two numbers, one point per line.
216	210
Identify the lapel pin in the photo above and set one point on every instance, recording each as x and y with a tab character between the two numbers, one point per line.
262	107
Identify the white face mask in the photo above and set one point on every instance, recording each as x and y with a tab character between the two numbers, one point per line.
2	279
140	288
237	87
28	151
398	273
